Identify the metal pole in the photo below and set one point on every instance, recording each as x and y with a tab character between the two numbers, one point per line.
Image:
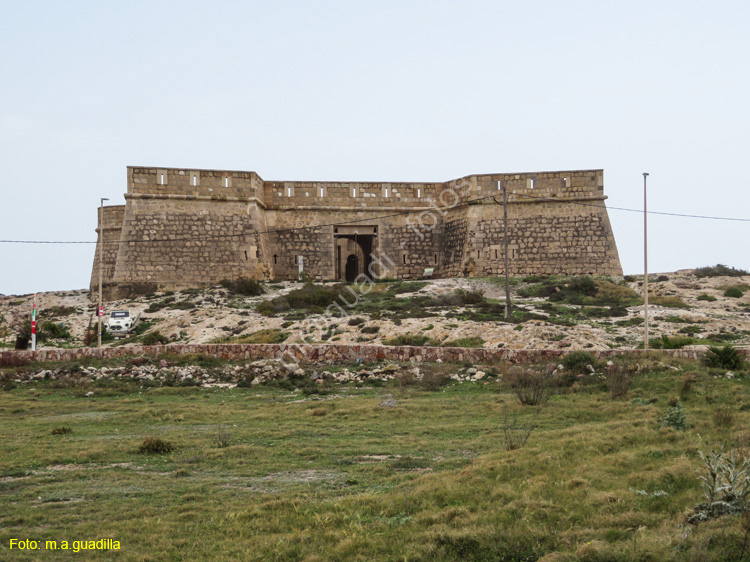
505	239
645	263
101	268
33	325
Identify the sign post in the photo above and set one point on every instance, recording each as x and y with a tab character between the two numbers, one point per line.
33	325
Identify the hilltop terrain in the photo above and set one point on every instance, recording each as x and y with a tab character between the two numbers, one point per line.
548	312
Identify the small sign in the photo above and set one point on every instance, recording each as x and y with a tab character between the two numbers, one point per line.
428	272
301	268
101	311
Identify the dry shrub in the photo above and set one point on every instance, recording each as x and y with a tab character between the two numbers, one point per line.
686	387
155	446
533	386
619	379
514	434
13	360
317	412
723	416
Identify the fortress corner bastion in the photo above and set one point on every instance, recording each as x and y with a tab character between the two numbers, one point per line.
189	228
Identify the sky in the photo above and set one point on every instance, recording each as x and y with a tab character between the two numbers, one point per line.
377	91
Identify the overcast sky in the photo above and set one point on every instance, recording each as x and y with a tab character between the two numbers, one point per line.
381	91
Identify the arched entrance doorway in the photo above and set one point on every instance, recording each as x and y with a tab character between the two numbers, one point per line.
352	268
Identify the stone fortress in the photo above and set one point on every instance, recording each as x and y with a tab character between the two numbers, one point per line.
187	228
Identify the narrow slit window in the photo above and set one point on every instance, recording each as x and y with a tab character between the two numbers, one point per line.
161	179
478	253
226	181
419	192
321	192
404	258
275	259
531	185
354	191
386	192
245	255
495	254
195	179
288	191
435	258
499	185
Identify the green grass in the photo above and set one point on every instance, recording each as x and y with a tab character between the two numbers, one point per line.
268	474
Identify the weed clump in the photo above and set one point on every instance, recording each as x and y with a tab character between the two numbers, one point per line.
706	297
474	341
674	417
155	338
533	386
312	298
155	446
619	379
578	361
734	292
410	339
725	485
719	270
243	286
61	430
726	357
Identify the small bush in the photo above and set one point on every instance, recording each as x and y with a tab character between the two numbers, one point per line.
409	339
674	417
474	341
155	446
619	379
577	361
534	387
318	412
734	292
666	342
261	336
370	329
355	321
723	416
719	270
514	434
155	338
243	286
726	357
56	331
705	297
62	430
667	301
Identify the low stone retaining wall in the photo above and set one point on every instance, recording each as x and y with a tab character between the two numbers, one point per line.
328	353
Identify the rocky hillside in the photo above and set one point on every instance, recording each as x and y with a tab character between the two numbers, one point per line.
686	309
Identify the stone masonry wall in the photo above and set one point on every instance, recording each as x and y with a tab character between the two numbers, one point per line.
191	228
178	243
333	353
107	242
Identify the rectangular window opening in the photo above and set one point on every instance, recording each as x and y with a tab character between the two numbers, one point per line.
435	258
404	258
226	181
386	192
499	185
161	179
531	185
419	192
195	179
321	192
288	191
495	254
354	191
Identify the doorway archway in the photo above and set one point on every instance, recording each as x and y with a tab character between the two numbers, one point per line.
352	268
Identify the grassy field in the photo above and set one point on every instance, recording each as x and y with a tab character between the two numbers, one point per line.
267	474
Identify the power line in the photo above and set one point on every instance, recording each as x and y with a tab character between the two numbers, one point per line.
337	223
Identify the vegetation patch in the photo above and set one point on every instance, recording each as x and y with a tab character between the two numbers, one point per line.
719	270
243	286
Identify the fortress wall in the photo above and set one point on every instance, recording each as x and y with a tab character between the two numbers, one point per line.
195	183
557	224
281	194
106	242
177	243
543	238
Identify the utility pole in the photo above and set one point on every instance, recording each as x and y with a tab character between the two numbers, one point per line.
645	263
505	241
101	268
